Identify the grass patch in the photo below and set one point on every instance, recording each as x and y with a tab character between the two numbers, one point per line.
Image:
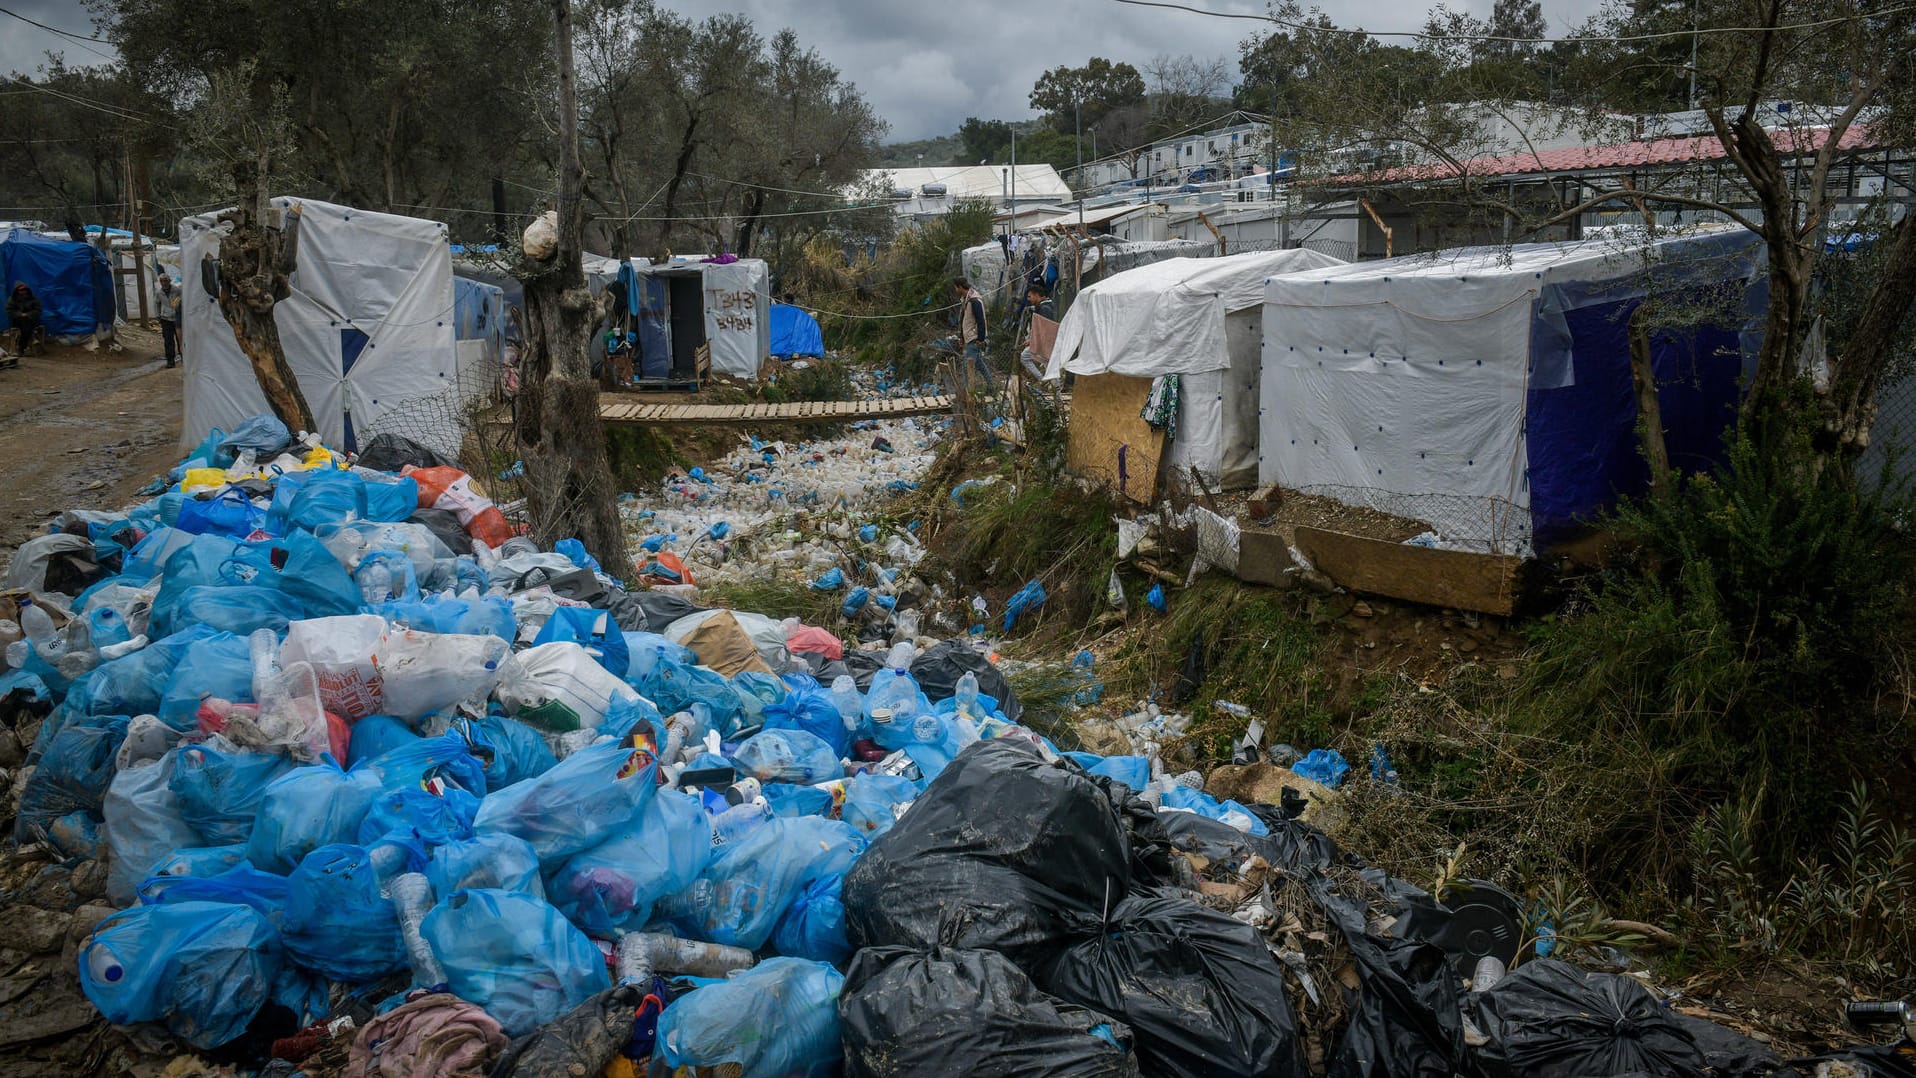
639	456
774	597
818	380
1011	532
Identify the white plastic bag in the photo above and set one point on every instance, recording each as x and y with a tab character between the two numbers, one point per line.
342	652
423	673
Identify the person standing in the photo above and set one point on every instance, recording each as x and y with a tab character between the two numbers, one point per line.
971	326
23	314
169	319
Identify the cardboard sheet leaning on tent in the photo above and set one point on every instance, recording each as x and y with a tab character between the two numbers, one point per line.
368	326
1200	319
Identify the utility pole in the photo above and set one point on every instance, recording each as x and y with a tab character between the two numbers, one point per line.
1077	139
1012	225
499	211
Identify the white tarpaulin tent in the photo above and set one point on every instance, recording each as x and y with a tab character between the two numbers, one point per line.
1487	391
369	324
736	298
1200	319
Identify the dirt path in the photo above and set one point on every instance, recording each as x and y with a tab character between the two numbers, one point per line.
82	429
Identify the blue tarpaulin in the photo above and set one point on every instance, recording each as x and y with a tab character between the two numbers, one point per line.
794	332
73	280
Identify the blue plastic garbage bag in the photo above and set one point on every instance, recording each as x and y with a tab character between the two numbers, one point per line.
518	751
264	434
854	601
750	883
676	684
778	1019
143	827
1133	771
419	817
579	803
1029	597
450	756
241	885
808	706
391	501
575	550
76	835
202	968
1326	766
297	564
1156	598
593	630
228	512
336	922
386	576
495	861
375	735
239	611
756	691
514	955
220	666
311	499
636	715
148	556
871	801
219	792
791	799
307	808
489	614
788	756
72	775
197	861
830	580
1184	799
133	684
614	885
814	926
208	454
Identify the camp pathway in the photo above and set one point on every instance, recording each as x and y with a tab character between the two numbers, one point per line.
83	429
627	408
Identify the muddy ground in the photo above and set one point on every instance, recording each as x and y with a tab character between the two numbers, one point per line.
83	430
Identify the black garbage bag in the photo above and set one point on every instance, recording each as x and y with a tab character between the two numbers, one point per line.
582	1041
1549	1019
1200	991
1729	1054
937	672
1005	851
968	1013
1292	843
444	525
648	611
1407	1021
391	452
863	664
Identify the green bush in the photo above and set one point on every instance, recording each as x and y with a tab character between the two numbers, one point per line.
1734	656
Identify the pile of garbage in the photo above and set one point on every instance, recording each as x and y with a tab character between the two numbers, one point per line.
379	787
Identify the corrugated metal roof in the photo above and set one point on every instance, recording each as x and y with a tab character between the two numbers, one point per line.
1651	153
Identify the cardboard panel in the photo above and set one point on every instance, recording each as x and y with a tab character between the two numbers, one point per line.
1454	578
1110	441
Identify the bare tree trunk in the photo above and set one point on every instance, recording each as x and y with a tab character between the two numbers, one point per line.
1649	408
254	266
570	491
1856	373
680	166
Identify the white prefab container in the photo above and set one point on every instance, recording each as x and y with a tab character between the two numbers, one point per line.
369	324
1487	391
1200	319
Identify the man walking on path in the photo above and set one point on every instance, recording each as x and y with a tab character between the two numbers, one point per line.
169	319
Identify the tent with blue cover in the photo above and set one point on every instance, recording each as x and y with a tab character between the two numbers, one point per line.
73	280
795	332
1487	391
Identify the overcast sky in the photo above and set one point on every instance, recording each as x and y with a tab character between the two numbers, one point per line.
926	64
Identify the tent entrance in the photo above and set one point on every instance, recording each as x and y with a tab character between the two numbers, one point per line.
685	303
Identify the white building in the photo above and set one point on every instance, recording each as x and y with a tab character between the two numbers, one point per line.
921	193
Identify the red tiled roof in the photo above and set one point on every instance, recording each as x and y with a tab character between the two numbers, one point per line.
1667	151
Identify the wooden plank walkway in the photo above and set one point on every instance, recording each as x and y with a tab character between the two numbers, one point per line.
623	408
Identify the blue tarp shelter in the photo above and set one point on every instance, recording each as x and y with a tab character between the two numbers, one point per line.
795	332
74	281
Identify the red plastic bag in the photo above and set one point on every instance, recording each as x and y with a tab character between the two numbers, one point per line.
449	488
813	638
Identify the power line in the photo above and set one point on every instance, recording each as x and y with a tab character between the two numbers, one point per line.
81	41
114	111
1574	40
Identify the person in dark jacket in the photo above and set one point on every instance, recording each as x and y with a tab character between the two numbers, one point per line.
1037	301
23	314
169	318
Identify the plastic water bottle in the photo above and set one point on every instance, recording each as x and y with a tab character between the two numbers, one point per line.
900	656
740	820
375	583
928	730
77	655
37	624
412	898
845	697
906	629
966	694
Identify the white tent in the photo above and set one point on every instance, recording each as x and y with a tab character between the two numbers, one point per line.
1487	391
369	324
1200	319
736	300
